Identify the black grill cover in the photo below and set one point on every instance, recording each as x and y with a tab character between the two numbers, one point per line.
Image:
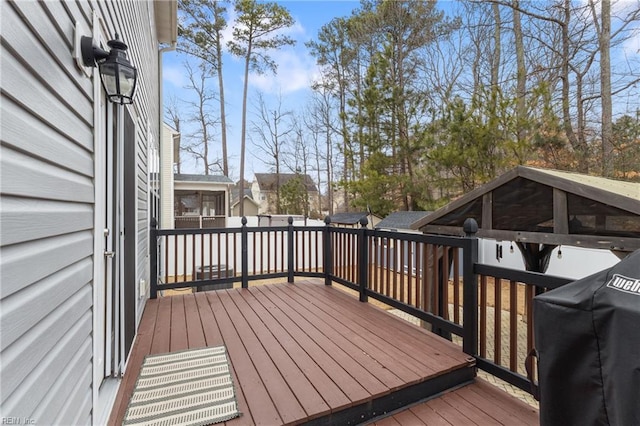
587	335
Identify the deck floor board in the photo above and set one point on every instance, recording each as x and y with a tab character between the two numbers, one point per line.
262	408
341	355
298	352
179	334
302	388
284	400
349	386
478	403
385	368
394	333
326	387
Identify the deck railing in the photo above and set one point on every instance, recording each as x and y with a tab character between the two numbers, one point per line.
437	279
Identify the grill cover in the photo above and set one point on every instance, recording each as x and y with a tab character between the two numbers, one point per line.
587	336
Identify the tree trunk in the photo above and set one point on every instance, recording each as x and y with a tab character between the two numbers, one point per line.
521	76
604	40
223	118
566	109
243	137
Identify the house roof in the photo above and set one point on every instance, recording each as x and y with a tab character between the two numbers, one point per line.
166	14
268	181
533	205
246	197
202	178
401	220
247	194
348	218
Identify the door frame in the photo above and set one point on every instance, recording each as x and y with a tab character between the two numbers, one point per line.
107	357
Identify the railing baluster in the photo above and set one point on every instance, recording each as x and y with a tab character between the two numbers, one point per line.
372	256
434	280
210	253
260	249
282	251
255	254
202	265
513	326
184	258
193	257
395	269
245	254
483	316
402	272
166	258
327	255
426	290
363	278
497	317
445	283
418	277
268	252
292	247
410	251
456	286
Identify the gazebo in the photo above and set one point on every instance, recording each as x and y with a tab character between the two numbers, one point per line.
540	209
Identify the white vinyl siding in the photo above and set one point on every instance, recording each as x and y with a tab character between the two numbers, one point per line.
47	199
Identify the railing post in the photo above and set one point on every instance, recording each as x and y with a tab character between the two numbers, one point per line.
363	259
327	256
153	259
290	250
244	243
470	282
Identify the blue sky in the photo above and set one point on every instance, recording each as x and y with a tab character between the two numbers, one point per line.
296	70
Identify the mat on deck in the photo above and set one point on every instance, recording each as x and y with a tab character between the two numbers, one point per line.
192	387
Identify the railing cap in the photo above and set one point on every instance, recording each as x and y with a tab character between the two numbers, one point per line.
470	226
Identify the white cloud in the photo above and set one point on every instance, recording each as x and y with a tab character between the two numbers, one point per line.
296	71
174	75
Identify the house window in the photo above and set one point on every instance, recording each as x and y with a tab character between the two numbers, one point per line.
199	203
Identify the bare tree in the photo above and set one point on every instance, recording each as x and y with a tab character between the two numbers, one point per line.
269	135
200	35
172	114
322	125
199	141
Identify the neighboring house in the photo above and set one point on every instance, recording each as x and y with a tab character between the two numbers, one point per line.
190	200
401	221
352	219
250	205
200	201
77	198
265	189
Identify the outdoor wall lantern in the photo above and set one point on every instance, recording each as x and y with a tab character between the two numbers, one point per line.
117	75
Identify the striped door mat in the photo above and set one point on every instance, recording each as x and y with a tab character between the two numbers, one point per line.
192	387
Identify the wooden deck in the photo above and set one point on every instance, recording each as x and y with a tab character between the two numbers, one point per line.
302	352
478	403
